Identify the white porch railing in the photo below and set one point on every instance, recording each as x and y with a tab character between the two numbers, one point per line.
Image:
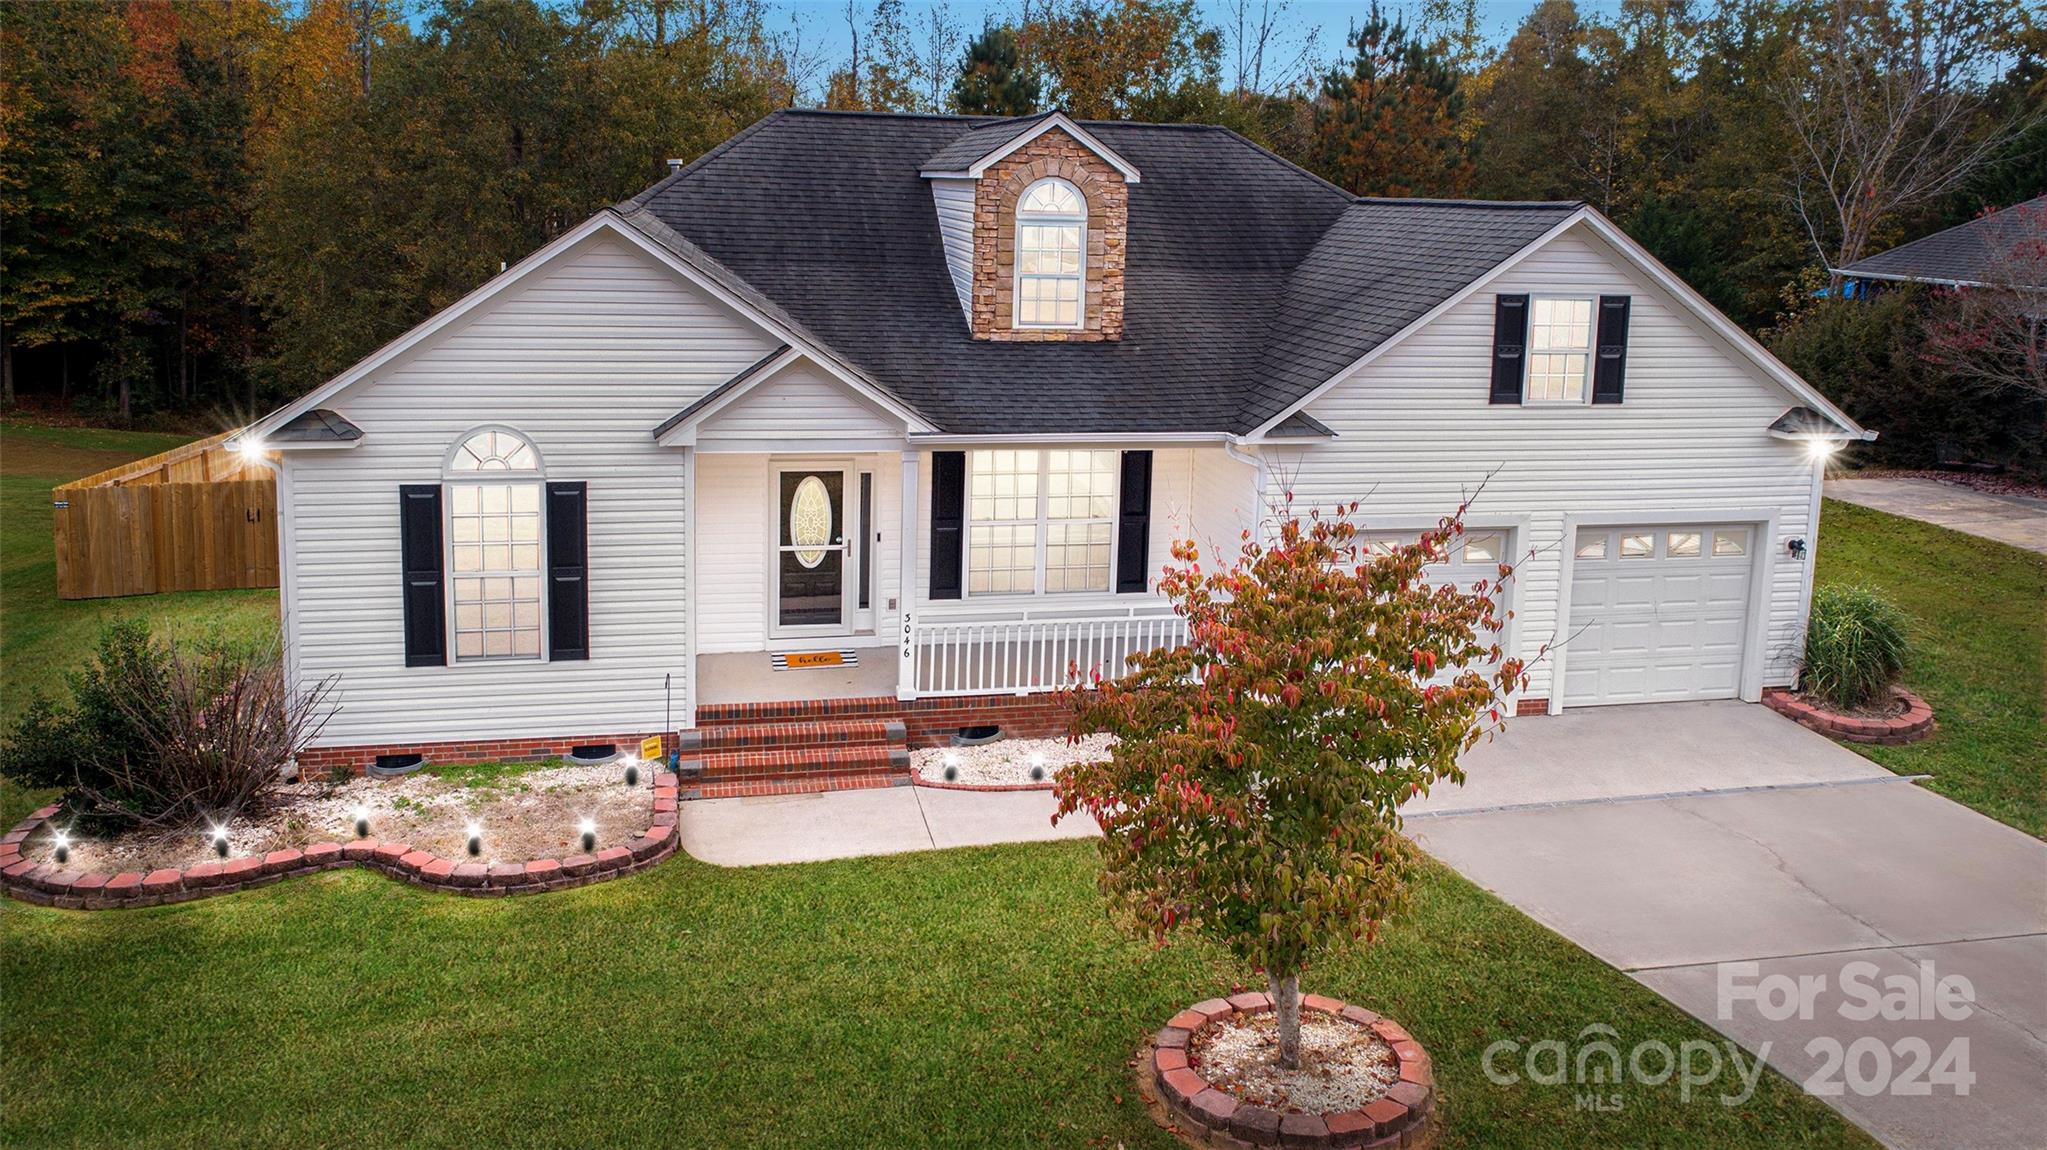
1025	650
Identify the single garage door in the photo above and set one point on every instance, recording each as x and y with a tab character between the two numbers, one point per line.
1657	613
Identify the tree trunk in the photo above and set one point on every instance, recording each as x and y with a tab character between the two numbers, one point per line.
6	370
1286	1012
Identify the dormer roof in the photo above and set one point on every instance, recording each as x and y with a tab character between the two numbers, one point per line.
981	145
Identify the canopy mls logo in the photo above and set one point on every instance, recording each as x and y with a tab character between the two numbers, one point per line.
1598	1064
1867	1065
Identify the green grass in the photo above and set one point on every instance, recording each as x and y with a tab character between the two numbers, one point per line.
1979	634
42	636
958	998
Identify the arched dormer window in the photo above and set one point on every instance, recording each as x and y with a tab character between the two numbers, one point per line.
495	556
1051	255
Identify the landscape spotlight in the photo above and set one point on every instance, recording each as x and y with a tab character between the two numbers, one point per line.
589	831
952	768
362	822
475	834
63	842
632	770
1037	767
220	841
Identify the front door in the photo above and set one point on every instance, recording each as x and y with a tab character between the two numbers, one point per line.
811	551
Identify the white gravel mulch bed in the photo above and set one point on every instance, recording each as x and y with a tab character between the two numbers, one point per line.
529	815
1008	762
1344	1066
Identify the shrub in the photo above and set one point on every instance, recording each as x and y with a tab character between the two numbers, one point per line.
165	735
1855	646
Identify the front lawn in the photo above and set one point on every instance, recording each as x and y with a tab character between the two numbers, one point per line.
1980	630
967	997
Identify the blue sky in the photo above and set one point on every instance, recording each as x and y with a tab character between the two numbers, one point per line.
1318	25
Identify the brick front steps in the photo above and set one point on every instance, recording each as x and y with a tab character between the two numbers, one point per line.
1915	724
1205	1116
49	885
783	754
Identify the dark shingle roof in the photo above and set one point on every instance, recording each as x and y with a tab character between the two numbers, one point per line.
967	148
316	426
1978	252
1246	276
712	395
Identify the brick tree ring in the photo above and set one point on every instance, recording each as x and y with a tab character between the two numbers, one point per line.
1208	1116
1913	722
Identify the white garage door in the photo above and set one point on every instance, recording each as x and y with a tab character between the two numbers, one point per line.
1657	613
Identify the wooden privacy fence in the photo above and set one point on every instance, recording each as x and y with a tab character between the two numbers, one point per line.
195	518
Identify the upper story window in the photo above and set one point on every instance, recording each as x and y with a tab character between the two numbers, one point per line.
494	551
1051	227
1559	350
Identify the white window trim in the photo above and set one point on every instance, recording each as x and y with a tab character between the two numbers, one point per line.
1042	533
1016	274
450	478
1528	353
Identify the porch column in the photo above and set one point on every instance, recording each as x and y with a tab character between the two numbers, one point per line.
906	665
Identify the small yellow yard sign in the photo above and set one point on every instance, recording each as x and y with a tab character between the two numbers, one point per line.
650	747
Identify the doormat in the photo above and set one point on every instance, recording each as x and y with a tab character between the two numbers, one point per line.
811	660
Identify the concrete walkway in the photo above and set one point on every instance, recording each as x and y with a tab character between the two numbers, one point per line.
848	824
2012	519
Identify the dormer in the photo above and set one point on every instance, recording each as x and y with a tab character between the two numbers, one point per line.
1035	215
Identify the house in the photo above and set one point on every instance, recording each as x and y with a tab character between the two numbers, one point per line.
2000	249
886	419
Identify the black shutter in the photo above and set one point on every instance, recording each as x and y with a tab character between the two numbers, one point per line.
568	592
1610	369
1510	336
1133	523
419	550
948	521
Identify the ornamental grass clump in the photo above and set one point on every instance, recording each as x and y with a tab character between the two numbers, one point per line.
1253	790
1855	646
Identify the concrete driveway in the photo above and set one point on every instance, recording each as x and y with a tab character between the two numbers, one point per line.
2012	519
1682	842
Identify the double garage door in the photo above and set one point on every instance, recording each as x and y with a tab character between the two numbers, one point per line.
1657	613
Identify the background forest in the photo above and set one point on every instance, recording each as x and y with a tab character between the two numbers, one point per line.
206	208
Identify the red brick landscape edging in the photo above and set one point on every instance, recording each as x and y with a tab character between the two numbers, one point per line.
1915	724
1212	1117
47	884
918	778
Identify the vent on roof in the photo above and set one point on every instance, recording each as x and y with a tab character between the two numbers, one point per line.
675	166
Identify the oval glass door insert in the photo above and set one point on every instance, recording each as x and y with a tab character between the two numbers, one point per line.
810	520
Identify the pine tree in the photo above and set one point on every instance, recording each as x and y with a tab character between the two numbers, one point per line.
994	79
1389	125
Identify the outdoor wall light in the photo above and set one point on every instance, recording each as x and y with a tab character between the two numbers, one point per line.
220	841
952	768
362	822
63	844
1038	767
1821	448
589	832
632	770
475	836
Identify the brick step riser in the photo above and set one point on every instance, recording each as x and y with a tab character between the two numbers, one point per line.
786	736
798	711
796	764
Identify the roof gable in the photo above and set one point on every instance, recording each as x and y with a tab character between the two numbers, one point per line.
973	151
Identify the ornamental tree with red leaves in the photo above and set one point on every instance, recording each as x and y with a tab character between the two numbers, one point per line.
1253	791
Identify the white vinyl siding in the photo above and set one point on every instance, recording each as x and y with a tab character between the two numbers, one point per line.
585	358
954	200
733	525
1417	435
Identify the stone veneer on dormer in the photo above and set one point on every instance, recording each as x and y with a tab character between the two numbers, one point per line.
1055	153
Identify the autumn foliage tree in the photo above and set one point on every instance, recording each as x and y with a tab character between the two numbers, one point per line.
1388	125
1253	792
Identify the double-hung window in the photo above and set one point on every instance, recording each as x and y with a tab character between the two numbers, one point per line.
494	547
1040	521
1559	350
1051	259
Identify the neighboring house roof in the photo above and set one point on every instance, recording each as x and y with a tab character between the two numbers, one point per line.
1974	254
